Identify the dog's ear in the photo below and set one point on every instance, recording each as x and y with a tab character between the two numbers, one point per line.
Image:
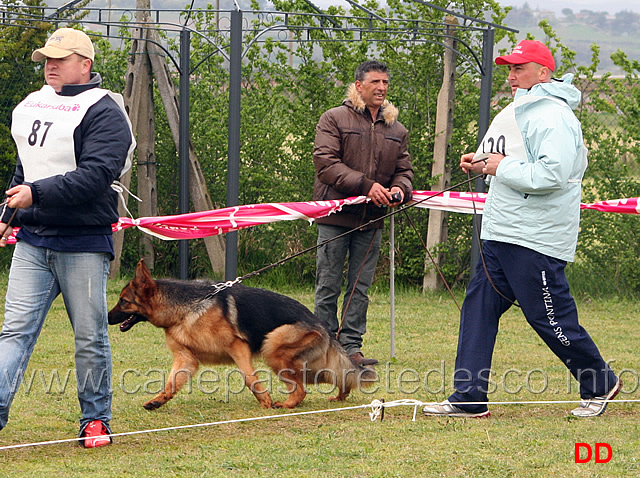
142	276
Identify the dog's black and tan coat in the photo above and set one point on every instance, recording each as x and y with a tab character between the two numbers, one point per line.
232	326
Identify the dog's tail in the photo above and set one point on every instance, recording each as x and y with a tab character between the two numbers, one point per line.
315	358
344	373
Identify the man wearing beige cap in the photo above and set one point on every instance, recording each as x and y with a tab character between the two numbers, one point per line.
535	157
74	140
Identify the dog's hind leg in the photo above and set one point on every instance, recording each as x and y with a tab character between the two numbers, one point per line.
295	387
185	365
288	350
240	352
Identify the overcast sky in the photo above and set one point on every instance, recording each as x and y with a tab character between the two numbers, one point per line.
609	6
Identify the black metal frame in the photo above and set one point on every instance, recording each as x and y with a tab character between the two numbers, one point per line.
234	32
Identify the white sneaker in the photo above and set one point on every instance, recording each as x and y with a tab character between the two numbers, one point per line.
597	405
447	409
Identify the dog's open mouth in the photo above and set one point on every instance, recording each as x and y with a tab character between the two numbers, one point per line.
130	321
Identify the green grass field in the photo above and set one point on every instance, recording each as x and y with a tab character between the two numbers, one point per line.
523	440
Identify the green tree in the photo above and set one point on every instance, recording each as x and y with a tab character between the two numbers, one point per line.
286	87
289	81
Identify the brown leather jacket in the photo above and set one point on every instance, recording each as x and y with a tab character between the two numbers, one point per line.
352	152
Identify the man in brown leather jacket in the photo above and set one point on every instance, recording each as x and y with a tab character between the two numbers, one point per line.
360	150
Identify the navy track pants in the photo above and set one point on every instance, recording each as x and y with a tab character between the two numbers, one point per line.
540	286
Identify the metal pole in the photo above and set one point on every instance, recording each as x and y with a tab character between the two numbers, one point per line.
183	147
483	124
233	167
392	283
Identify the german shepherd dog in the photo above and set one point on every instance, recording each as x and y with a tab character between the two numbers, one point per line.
204	325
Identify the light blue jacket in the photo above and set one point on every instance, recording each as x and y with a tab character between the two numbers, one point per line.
534	198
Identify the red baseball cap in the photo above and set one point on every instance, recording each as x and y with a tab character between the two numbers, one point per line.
526	51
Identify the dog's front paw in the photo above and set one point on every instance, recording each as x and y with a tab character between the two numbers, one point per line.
152	405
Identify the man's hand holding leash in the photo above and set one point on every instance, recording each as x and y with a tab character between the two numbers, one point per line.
381	196
7	230
18	197
485	164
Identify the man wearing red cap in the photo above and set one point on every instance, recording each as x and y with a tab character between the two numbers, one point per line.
74	140
534	157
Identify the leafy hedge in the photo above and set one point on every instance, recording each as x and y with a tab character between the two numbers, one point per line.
283	95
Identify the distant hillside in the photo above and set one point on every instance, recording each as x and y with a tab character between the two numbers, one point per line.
579	30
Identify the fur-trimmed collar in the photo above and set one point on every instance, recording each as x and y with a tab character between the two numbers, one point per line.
389	112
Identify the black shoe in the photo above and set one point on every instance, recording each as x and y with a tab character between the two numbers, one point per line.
361	360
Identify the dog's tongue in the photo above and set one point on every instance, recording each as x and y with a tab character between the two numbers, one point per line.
126	324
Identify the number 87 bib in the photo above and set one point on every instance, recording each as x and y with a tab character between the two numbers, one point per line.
42	126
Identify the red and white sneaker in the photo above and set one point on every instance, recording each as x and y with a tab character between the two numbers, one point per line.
596	406
95	434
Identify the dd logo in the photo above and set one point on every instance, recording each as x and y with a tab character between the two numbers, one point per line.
589	453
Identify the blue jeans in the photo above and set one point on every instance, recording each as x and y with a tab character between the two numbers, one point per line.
36	278
363	248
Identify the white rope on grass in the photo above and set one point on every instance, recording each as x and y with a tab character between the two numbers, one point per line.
184	427
377	411
378	405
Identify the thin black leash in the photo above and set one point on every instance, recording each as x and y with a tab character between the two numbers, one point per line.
224	285
8	223
355	283
433	261
482	259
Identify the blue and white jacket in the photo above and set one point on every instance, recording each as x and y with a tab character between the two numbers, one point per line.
534	198
70	163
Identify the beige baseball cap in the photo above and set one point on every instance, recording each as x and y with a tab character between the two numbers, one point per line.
64	42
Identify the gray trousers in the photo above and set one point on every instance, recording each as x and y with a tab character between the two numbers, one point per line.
363	249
